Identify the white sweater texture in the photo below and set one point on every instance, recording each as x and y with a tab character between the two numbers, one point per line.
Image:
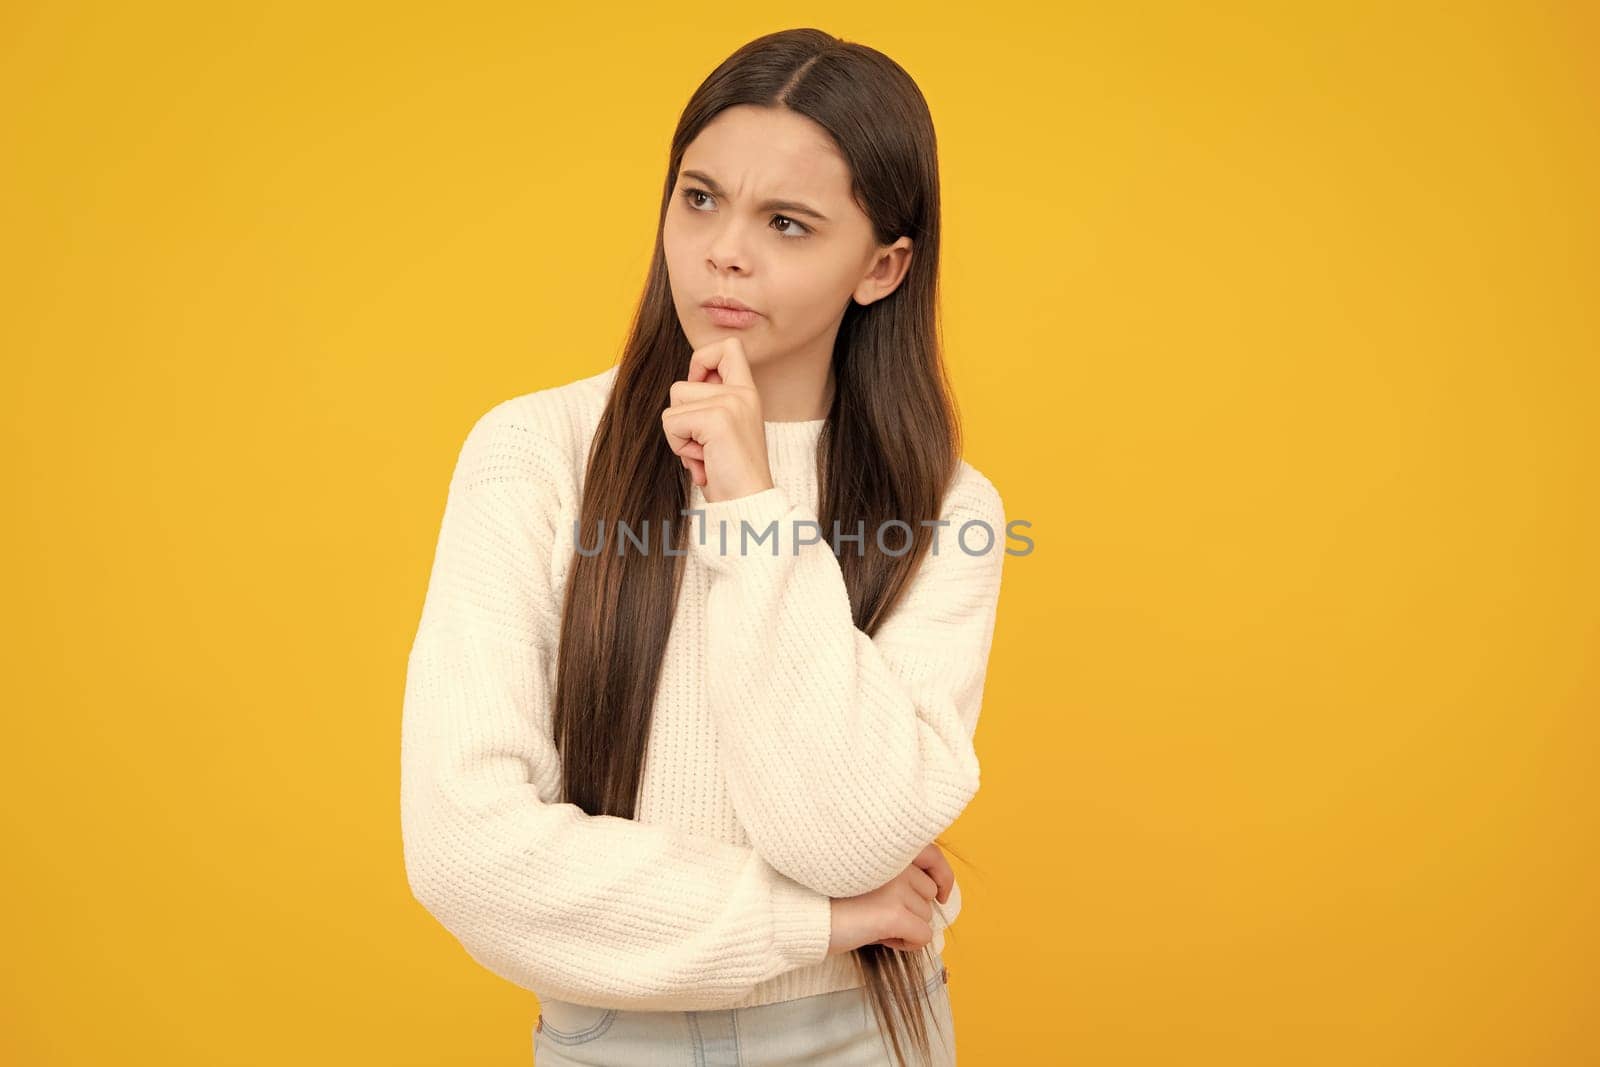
791	757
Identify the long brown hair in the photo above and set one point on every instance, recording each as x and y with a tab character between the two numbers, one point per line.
888	449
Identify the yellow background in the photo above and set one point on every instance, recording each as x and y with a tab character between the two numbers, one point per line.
1276	321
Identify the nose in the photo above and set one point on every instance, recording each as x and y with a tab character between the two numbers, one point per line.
727	251
726	261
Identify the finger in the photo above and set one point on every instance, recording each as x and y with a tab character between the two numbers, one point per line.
685	423
922	883
684	392
677	432
913	932
726	358
950	906
690	447
696	422
721	401
919	905
703	374
931	859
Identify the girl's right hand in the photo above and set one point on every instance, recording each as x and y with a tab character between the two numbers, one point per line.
898	913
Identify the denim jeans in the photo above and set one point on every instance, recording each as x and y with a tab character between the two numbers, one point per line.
835	1029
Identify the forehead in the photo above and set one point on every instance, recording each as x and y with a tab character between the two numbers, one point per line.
769	151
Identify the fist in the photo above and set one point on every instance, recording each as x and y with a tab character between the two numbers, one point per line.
714	423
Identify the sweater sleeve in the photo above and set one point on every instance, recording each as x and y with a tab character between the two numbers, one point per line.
846	754
604	911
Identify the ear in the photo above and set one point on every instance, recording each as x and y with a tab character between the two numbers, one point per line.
889	266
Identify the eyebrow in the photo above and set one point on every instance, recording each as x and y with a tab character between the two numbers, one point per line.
793	207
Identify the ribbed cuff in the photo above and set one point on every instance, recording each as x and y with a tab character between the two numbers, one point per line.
802	922
720	537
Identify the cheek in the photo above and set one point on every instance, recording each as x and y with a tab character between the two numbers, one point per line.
672	246
812	297
672	256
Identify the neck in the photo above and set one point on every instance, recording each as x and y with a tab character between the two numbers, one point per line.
795	390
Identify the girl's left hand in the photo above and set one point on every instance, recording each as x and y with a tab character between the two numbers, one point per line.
714	423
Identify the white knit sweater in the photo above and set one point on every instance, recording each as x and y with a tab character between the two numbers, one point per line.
791	757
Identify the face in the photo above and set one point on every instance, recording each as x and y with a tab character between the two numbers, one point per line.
762	212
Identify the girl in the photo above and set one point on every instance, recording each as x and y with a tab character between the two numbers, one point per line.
703	644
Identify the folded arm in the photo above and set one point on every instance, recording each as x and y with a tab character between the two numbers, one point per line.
846	754
598	910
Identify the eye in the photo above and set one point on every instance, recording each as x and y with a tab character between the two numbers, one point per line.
690	194
791	222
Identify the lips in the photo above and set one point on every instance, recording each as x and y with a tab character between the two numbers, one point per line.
732	318
728	302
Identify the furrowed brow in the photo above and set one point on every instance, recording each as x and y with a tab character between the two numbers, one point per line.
791	207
